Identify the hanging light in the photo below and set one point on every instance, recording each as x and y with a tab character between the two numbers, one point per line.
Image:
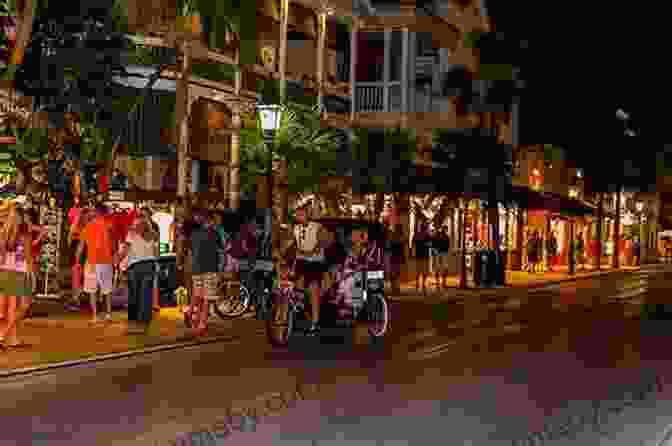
639	205
270	117
535	172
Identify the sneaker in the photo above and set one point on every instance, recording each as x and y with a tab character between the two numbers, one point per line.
314	330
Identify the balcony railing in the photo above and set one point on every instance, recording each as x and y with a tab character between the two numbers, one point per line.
370	96
424	67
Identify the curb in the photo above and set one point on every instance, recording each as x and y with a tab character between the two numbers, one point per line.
485	292
108	356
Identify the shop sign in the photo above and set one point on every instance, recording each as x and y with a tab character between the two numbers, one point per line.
267	56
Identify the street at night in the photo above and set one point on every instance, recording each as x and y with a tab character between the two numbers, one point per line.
441	378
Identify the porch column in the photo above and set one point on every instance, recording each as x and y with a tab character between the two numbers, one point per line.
615	262
234	173
353	65
322	17
570	251
282	60
600	217
386	70
404	70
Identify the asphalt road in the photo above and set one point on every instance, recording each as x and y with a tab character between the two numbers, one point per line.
484	371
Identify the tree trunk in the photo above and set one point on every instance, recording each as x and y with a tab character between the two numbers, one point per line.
615	261
600	217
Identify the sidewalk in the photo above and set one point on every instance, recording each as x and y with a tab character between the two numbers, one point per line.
69	337
514	279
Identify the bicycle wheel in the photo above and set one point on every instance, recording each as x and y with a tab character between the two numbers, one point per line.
232	306
377	315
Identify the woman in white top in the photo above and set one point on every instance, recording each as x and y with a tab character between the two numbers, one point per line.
141	244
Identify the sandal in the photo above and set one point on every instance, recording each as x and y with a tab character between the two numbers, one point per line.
18	345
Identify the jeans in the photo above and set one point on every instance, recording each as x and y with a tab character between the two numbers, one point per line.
140	282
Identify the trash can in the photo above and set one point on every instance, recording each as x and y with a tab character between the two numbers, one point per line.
167	283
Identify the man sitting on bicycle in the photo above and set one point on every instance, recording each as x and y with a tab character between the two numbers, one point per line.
311	239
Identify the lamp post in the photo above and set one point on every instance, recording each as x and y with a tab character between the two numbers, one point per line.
270	121
640	208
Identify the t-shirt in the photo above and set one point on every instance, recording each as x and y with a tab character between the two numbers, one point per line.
139	248
204	250
98	236
163	220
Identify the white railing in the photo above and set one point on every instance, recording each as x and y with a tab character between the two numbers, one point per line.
424	66
370	96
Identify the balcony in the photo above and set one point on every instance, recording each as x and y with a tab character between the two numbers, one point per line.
424	68
370	96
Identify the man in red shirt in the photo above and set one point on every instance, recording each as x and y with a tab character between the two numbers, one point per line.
98	236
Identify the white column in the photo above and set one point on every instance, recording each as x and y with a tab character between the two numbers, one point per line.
322	17
282	62
386	70
411	70
353	59
404	70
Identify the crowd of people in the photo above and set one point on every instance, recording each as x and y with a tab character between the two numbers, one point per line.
20	240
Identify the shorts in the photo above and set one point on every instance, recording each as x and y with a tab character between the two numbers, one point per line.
442	263
208	282
312	272
98	276
13	283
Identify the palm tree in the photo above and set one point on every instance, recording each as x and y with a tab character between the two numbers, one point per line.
301	143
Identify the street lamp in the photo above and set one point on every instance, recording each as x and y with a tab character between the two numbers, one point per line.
270	121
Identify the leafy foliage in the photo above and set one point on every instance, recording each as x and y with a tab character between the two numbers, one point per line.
31	143
301	139
380	156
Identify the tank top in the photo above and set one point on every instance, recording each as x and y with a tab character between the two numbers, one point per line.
15	260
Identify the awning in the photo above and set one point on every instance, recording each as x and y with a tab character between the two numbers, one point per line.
535	200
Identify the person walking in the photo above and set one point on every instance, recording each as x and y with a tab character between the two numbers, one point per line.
636	252
551	250
204	266
16	264
532	257
422	243
141	246
394	251
98	237
578	251
442	246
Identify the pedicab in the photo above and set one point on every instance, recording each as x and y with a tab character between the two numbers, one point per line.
354	296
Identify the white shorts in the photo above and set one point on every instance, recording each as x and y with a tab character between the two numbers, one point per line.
98	276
